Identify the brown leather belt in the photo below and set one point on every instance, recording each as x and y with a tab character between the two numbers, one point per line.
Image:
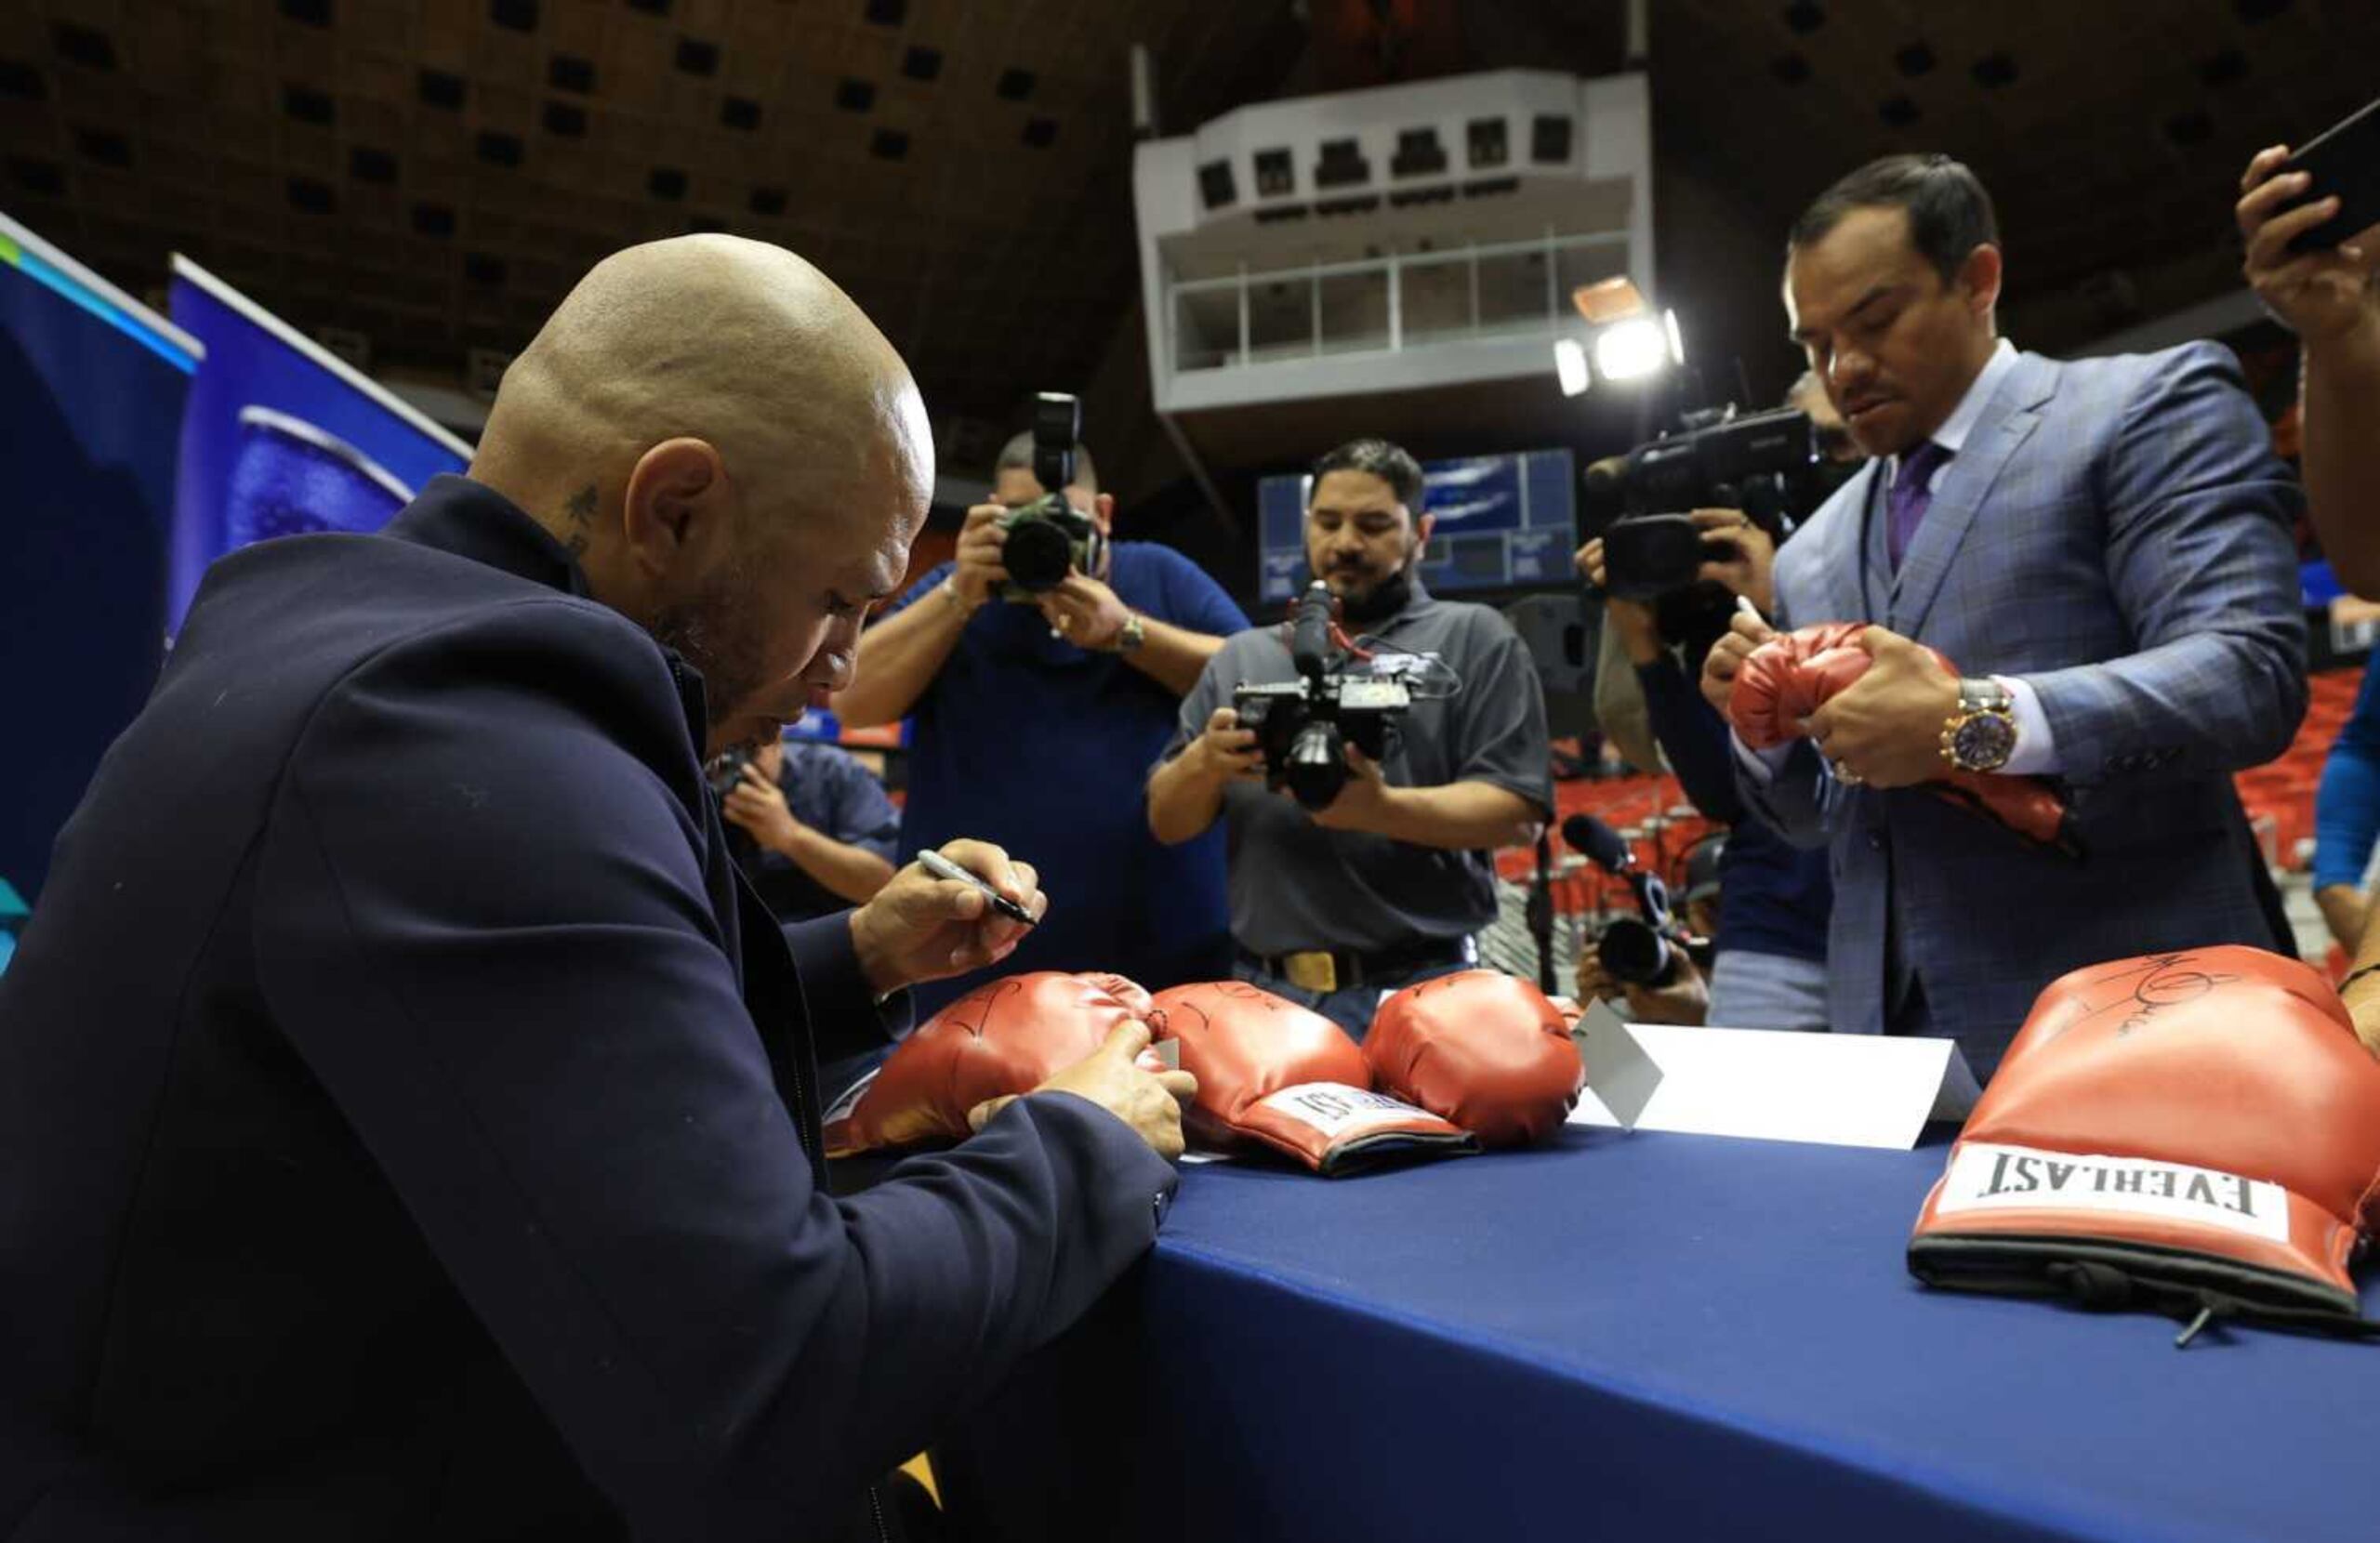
1335	969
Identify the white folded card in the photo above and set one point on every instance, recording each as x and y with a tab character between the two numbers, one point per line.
1841	1089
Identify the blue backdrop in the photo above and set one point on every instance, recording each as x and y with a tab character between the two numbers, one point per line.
282	438
94	388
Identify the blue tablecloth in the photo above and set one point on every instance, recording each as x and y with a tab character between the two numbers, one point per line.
1645	1336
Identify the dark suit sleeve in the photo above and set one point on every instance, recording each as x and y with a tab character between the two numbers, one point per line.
482	923
1694	737
2201	559
845	1017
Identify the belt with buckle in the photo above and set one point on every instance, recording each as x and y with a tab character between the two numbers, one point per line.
1327	969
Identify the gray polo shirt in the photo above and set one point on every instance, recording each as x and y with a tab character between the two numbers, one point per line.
1296	886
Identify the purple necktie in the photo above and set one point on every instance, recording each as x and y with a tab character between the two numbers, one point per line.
1912	493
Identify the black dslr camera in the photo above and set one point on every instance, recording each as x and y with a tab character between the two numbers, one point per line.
728	769
1049	535
1634	952
1302	724
1765	463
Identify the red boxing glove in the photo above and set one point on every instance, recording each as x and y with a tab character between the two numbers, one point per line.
2195	1132
1483	1049
1793	674
1008	1036
1272	1071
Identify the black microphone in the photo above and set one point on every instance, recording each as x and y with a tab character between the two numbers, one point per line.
1310	634
1598	843
1637	952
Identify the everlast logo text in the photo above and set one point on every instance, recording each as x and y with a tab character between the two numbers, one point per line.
2013	1174
1985	1176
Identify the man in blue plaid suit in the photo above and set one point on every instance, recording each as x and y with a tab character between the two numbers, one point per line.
2103	547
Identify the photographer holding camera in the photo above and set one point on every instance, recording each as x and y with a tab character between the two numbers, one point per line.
1770	969
1044	666
1356	874
809	826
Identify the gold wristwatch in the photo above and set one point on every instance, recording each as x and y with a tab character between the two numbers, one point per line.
1982	734
1133	633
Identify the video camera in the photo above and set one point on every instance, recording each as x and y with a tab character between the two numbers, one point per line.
1639	953
1050	536
1766	464
1303	725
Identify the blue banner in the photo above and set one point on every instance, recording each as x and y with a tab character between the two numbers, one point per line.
94	387
282	438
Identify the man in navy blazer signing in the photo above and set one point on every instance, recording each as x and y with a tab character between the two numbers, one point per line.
408	1123
2102	547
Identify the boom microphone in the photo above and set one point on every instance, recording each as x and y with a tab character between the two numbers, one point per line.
1631	950
1598	843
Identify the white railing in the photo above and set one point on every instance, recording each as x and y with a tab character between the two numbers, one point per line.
1386	304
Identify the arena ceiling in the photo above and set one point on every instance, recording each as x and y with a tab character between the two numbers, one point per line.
433	174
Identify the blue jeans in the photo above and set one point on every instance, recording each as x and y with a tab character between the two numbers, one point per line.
1350	1007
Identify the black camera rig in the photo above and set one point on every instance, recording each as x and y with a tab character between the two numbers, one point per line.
1303	725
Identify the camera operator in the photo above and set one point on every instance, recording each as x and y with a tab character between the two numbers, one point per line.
809	826
2331	299
1685	996
1388	882
1037	718
1769	970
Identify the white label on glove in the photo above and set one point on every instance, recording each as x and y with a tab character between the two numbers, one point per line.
1336	1110
1984	1177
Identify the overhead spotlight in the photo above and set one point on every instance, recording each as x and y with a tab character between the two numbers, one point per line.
1570	366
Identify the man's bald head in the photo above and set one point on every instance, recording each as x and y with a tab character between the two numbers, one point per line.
736	343
715	430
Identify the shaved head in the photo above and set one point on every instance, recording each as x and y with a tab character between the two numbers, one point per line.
727	446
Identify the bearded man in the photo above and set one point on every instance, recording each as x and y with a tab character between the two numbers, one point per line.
1391	882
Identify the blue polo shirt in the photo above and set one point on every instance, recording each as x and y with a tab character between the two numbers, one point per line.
1024	740
827	789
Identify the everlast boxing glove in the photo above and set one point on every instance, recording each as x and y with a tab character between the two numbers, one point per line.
2194	1132
1008	1037
1275	1073
1483	1049
1793	674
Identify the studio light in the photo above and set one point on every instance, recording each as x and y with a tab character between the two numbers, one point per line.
1626	350
1625	339
1570	366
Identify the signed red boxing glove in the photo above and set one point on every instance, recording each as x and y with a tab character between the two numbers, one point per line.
2195	1132
1275	1073
1008	1036
1793	674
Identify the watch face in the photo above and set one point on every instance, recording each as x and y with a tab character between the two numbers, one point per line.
1983	742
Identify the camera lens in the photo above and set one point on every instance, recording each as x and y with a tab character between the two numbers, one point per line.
1314	769
1037	555
1646	556
1632	952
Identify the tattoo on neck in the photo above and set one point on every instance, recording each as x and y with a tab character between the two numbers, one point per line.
580	505
576	545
